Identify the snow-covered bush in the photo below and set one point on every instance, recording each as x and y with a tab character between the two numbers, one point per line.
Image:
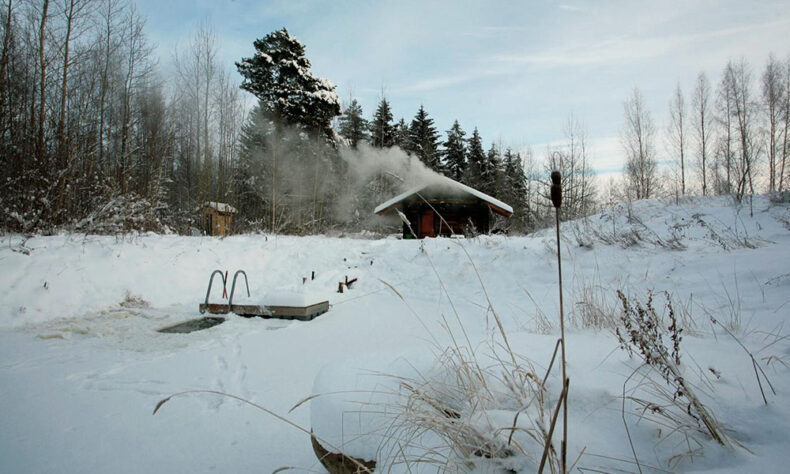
122	213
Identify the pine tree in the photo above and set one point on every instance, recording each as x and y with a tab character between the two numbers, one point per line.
455	152
476	158
352	125
424	140
279	75
382	132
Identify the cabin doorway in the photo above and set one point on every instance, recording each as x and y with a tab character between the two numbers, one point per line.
426	224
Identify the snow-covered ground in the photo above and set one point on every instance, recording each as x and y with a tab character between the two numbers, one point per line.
82	365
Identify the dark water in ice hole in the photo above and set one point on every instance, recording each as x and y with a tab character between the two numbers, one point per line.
193	325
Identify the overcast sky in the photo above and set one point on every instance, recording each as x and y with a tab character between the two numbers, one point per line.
514	69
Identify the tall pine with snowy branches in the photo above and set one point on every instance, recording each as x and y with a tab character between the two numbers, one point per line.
279	75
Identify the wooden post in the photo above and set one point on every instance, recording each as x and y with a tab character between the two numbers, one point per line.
340	287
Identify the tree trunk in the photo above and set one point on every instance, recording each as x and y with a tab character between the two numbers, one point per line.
61	130
4	57
104	87
274	173
43	94
786	121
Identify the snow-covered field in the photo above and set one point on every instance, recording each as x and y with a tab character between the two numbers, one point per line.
82	365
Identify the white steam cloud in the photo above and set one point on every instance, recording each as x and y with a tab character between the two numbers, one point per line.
376	175
366	163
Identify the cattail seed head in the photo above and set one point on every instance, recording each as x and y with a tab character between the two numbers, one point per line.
556	189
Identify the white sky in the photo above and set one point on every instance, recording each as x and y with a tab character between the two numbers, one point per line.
514	69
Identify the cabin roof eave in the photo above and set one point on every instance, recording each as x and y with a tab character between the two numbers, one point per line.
496	205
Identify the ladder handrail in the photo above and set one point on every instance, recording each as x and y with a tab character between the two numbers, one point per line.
211	280
233	287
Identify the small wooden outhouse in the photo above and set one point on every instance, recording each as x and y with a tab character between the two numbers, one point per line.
217	218
444	207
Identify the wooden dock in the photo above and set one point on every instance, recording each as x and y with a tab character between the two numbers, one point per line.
301	313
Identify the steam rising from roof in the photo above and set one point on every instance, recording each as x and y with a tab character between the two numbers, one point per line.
373	176
366	163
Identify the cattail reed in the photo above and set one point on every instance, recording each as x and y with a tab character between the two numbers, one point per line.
556	200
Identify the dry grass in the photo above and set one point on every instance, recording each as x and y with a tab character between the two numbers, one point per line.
134	301
470	415
479	409
663	394
593	308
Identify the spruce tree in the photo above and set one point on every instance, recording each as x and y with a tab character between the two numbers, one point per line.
476	158
401	134
252	170
352	125
455	152
424	140
514	191
382	132
489	172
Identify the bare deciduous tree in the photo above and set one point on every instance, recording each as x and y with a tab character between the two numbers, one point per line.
572	160
676	133
43	84
196	70
109	12
772	102
786	122
743	112
637	138
725	159
700	103
4	53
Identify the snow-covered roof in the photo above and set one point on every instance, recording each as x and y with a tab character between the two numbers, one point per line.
220	207
493	203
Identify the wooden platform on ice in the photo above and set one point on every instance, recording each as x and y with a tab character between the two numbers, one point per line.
302	313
